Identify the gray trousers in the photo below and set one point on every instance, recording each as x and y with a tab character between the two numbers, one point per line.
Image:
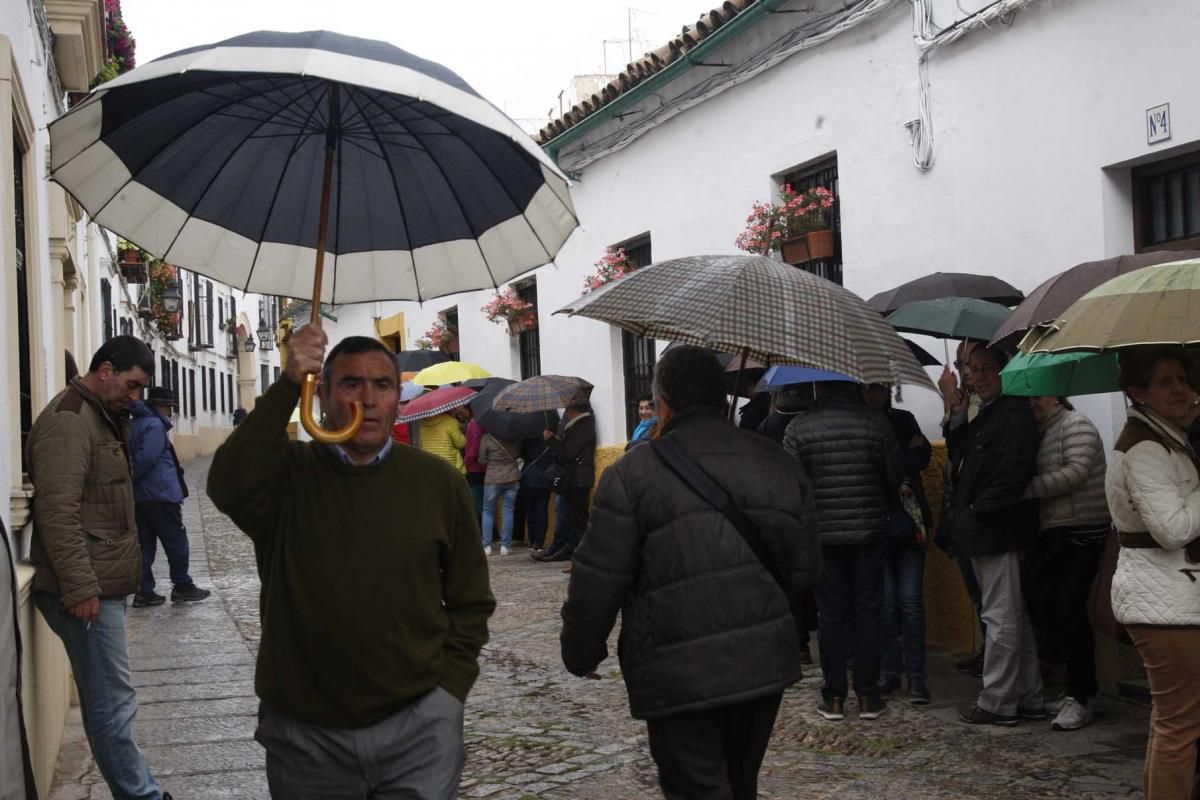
1012	676
416	753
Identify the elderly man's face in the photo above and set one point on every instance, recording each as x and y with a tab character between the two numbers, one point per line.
368	378
985	373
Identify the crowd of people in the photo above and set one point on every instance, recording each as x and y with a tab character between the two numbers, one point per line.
721	549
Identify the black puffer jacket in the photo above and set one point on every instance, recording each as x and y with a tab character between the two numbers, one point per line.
703	624
994	459
851	456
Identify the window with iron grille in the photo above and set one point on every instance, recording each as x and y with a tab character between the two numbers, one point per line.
529	342
203	390
265	375
232	405
192	391
24	367
639	353
175	388
106	307
212	389
450	320
164	372
1166	204
825	175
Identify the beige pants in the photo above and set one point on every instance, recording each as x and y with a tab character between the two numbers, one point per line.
1172	659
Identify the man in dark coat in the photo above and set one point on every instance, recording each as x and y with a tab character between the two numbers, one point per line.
707	639
994	458
158	492
850	454
573	447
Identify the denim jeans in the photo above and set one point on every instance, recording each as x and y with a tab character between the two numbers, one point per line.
100	661
507	492
163	522
849	601
904	609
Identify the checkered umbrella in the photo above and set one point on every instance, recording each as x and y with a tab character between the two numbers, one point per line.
543	393
439	401
764	309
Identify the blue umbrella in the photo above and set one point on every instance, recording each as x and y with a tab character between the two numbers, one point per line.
779	376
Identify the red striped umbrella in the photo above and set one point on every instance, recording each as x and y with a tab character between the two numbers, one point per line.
439	401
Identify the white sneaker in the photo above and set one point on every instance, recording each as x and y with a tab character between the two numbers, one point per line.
487	549
1073	716
503	550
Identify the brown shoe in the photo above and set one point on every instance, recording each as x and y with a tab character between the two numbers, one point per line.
567	568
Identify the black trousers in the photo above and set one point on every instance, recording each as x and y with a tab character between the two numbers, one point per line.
713	754
850	615
536	505
578	512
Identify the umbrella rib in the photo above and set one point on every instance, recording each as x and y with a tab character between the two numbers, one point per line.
454	192
395	188
337	217
300	138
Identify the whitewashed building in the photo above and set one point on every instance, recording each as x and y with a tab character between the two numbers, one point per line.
64	291
1014	138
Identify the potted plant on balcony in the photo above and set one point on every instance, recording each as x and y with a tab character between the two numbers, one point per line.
507	307
439	336
612	265
796	226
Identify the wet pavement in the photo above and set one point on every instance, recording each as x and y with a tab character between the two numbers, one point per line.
534	731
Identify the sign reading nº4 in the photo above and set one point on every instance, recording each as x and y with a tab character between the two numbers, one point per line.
1158	124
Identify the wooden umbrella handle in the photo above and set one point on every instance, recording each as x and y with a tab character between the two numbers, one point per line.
309	388
319	434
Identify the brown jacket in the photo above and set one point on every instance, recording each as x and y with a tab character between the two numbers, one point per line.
85	540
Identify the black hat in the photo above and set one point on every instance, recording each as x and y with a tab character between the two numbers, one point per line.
160	396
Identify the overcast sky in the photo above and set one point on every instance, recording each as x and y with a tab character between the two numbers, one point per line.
519	54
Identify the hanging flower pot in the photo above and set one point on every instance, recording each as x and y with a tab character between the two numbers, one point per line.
520	324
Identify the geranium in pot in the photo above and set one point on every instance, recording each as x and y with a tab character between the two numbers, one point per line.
612	265
506	307
796	226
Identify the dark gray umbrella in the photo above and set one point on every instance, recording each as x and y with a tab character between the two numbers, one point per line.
1046	303
417	360
947	284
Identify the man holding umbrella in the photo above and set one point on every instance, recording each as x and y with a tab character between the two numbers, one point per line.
375	594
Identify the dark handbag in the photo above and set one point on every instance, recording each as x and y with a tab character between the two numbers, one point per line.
702	484
561	476
1104	622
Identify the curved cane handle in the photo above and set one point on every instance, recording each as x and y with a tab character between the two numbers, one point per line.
319	434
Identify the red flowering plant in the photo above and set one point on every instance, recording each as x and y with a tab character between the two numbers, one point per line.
506	306
436	337
612	265
120	41
769	224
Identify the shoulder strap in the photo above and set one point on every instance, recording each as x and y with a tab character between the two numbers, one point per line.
702	484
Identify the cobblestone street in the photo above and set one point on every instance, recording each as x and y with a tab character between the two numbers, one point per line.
534	731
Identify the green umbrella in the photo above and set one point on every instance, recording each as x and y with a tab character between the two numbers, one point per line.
1060	374
950	318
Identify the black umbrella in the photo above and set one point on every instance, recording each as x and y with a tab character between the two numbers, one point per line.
417	360
254	159
924	358
947	284
506	424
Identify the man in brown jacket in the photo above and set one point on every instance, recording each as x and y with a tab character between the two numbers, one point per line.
85	549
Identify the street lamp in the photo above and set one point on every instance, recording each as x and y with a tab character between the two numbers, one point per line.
250	346
170	298
264	335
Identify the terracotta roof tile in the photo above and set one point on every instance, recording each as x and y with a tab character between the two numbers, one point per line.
649	64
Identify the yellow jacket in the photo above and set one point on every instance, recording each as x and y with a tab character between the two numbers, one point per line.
442	436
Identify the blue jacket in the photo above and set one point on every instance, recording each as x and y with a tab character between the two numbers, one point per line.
155	478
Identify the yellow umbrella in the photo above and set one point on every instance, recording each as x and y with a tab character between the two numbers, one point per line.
449	372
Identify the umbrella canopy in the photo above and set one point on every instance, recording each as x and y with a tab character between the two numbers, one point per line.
1150	306
950	318
1060	374
947	284
774	313
410	391
543	393
487	389
439	401
449	372
417	360
777	377
213	159
1047	302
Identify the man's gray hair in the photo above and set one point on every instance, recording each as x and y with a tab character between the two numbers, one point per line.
690	376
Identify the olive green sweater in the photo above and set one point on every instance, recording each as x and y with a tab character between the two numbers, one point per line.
374	587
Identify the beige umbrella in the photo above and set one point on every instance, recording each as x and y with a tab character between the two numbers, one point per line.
1150	306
